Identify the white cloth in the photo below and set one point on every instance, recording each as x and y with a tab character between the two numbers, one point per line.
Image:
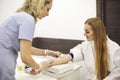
85	51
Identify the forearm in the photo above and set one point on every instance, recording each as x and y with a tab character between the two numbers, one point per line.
44	52
25	53
37	51
61	60
30	62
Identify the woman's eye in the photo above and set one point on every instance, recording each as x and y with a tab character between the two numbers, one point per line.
48	10
87	32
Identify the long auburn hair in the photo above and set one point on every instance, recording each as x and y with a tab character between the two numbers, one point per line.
33	7
100	45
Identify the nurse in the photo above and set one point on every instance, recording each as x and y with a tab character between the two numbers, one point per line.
100	55
16	34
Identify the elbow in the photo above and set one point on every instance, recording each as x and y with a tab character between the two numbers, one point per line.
25	59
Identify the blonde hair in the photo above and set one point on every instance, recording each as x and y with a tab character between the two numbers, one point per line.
33	7
100	45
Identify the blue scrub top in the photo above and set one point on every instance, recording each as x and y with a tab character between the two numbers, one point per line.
18	26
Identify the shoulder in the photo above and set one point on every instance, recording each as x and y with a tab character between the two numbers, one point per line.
113	47
87	43
84	44
112	43
23	17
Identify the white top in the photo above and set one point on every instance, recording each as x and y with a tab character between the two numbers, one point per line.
86	52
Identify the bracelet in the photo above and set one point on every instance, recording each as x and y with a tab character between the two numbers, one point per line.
46	52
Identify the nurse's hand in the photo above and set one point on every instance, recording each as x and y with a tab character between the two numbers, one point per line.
45	64
35	72
53	53
32	71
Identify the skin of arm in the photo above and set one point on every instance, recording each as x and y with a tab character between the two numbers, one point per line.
41	52
61	60
37	51
25	51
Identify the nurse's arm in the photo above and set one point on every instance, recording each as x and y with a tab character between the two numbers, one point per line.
25	51
37	51
61	60
44	52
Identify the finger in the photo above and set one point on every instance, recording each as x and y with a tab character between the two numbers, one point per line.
51	61
35	73
62	55
57	54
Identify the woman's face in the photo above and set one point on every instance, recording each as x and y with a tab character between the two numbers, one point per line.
89	32
46	9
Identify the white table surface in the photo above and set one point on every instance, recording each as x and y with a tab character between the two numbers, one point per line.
21	75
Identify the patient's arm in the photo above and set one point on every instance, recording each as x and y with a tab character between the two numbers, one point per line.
61	60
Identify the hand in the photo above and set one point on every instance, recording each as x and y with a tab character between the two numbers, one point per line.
45	64
35	72
51	61
32	71
54	53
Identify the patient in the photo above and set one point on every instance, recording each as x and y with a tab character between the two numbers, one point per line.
101	55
